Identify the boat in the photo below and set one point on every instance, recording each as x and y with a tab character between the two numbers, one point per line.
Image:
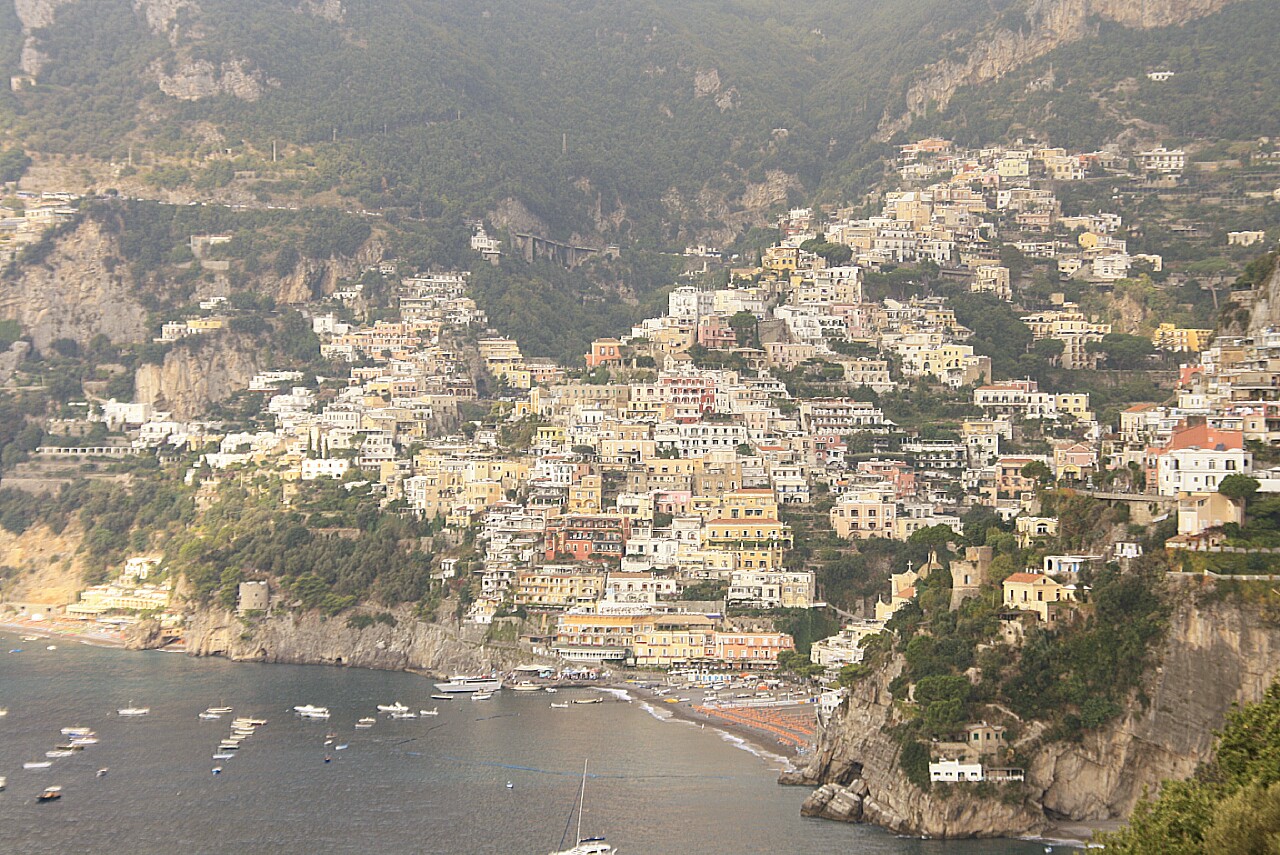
322	715
482	696
58	752
401	715
551	690
442	697
585	845
223	755
432	711
39	764
208	716
556	706
217	770
132	712
52	647
461	684
30	638
510	786
81	741
3	712
366	722
50	794
309	711
343	747
219	710
525	686
396	707
588	700
248	722
76	731
102	773
4	782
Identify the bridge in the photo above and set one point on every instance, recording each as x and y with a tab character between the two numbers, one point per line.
1144	508
534	247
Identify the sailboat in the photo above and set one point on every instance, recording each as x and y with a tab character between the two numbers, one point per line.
585	845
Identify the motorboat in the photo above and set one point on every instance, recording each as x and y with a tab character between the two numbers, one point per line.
218	710
482	696
223	755
102	773
588	700
4	782
38	764
442	697
217	770
392	708
248	722
320	713
343	747
365	723
461	684
432	711
77	731
81	741
58	752
50	794
551	690
209	716
133	712
303	709
30	638
525	686
556	706
401	715
3	712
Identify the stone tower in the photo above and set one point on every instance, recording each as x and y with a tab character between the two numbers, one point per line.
969	575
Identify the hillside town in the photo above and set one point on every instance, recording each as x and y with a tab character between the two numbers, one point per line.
640	510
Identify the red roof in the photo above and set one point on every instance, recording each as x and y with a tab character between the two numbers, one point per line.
1025	577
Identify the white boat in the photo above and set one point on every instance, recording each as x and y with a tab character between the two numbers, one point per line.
79	741
556	706
525	686
248	722
442	697
52	647
482	696
461	684
102	773
317	714
40	764
3	712
588	700
219	710
343	747
58	752
432	711
4	782
76	731
303	709
586	845
366	723
130	712
399	715
30	638
209	716
550	689
223	755
396	707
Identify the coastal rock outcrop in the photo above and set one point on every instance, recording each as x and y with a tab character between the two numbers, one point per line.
77	292
1215	654
1049	25
195	375
310	638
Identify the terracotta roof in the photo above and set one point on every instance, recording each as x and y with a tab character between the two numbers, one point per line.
1026	577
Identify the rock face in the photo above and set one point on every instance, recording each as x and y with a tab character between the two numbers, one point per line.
1050	24
1266	303
189	380
197	79
311	639
76	293
1215	655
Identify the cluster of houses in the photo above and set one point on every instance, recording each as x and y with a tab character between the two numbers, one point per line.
27	216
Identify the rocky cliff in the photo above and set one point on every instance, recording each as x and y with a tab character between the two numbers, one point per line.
1266	307
1049	24
1215	654
311	639
194	376
77	292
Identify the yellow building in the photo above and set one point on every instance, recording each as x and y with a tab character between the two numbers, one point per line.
586	496
663	640
1181	340
558	589
1036	592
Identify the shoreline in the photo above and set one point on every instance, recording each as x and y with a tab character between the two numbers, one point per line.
51	629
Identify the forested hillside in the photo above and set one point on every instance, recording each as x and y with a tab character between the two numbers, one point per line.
1226	86
616	118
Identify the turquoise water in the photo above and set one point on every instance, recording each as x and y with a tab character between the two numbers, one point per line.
430	785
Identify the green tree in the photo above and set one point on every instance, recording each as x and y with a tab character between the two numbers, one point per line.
1238	487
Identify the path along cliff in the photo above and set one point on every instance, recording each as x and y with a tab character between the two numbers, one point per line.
310	638
1216	653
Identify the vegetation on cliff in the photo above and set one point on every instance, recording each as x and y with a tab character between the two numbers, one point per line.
1231	805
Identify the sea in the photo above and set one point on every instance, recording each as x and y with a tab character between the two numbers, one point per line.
496	776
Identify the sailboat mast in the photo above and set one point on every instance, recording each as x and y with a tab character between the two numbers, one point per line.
582	797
